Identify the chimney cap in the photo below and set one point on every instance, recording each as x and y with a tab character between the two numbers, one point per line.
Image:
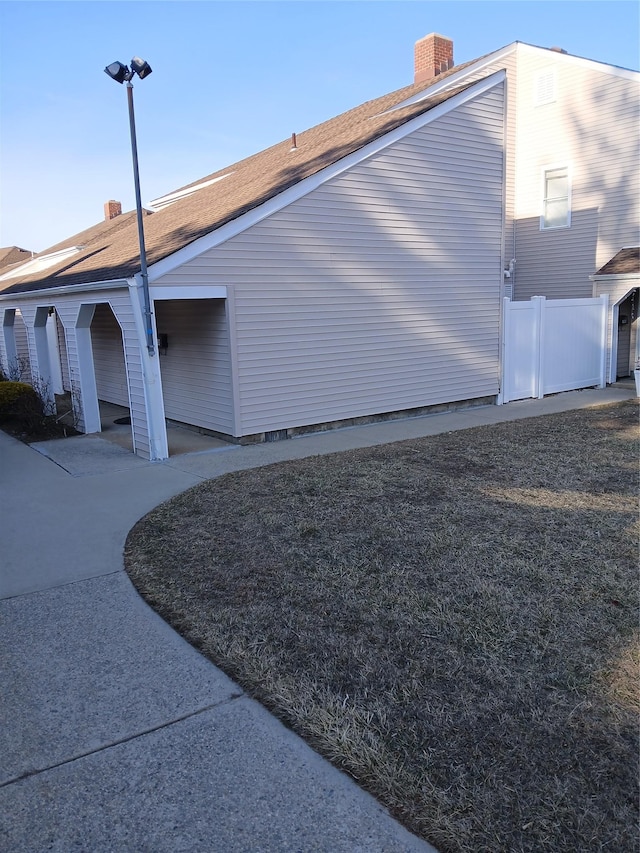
435	35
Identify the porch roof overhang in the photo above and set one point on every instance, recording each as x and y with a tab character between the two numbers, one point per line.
49	294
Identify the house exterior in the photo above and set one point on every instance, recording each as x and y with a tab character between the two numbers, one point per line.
354	271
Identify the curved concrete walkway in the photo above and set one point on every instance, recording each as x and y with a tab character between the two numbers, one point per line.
116	735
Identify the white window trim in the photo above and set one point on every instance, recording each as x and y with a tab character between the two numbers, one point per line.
550	167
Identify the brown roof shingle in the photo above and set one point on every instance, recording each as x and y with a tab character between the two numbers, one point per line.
10	255
626	261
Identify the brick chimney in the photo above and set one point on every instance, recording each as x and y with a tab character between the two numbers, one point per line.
433	54
112	209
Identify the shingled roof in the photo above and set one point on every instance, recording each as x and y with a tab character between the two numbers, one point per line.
109	250
11	255
626	261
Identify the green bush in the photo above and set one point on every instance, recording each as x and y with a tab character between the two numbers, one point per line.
21	404
12	391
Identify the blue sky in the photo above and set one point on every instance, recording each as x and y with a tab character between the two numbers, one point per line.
229	78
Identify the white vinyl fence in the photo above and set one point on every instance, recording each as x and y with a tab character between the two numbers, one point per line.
553	345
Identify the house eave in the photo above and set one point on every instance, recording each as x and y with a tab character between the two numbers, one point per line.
65	290
610	276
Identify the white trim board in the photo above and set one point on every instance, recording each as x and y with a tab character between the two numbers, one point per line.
69	289
204	291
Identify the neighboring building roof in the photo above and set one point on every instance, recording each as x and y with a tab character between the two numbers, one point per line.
626	261
11	255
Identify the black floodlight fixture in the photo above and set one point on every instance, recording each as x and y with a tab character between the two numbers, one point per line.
117	71
122	74
140	67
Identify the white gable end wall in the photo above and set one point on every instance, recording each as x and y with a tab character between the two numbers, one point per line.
377	291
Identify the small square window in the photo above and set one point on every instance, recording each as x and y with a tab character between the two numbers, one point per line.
556	211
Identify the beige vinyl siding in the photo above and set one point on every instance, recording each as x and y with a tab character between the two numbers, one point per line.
196	368
108	357
378	291
591	127
22	347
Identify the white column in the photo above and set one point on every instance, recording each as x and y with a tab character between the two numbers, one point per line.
35	319
152	380
76	320
54	355
8	351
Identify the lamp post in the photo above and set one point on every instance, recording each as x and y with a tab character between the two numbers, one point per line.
122	74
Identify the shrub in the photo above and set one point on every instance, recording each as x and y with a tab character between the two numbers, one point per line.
10	392
21	404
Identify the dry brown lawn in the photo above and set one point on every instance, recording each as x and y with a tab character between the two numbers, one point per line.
451	620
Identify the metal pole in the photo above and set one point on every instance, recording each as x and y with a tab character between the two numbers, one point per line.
143	253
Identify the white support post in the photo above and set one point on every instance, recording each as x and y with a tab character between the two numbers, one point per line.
88	407
54	355
539	306
8	348
604	299
154	400
35	320
506	318
45	381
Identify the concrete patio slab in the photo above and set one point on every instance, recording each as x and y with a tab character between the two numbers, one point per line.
83	455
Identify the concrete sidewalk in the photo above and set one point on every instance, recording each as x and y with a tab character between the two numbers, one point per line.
116	734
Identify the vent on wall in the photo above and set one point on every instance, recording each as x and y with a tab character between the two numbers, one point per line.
544	91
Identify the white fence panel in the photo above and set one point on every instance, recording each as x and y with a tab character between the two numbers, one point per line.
553	345
573	346
521	350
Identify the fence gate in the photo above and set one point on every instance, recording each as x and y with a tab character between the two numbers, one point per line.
553	345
